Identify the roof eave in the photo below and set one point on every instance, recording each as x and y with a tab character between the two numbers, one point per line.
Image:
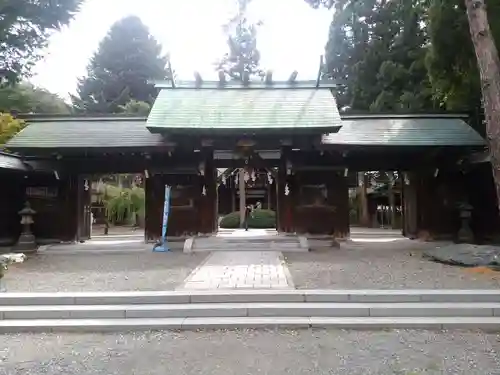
319	130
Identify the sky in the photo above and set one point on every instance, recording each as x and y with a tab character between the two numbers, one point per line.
292	37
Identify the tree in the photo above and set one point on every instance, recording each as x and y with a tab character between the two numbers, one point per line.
127	58
489	70
135	107
377	49
9	127
26	98
24	29
242	61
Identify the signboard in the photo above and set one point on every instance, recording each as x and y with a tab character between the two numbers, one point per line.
41	192
163	246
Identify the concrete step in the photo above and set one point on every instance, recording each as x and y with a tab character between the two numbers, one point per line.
304	309
249	296
365	323
239	248
224	241
272	243
374	235
202	244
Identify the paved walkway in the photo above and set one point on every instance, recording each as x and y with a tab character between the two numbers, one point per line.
240	270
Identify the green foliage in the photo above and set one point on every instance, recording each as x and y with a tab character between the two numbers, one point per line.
26	98
452	65
260	218
135	107
9	127
124	205
377	50
405	55
25	26
243	58
119	71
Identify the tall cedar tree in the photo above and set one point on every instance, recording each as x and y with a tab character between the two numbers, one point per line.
24	29
243	58
377	50
119	71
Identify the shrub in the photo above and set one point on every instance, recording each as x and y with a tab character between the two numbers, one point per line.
262	219
124	205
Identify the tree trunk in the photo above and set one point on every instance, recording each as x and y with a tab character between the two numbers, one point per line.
489	69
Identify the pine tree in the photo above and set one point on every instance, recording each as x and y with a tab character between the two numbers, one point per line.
242	62
127	58
25	26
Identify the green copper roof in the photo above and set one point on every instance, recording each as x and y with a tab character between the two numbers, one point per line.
85	132
253	109
405	130
11	162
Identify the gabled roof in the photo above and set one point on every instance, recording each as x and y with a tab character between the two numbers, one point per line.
405	130
243	109
85	132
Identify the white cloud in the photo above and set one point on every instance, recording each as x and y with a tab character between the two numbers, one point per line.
292	37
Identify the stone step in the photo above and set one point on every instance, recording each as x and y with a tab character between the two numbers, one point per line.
376	235
365	323
249	295
304	309
246	243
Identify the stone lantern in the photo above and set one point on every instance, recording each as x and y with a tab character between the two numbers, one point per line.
465	233
26	241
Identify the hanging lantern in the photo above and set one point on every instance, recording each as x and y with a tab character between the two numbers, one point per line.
287	190
204	191
253	176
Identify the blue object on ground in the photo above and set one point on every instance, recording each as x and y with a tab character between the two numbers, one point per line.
162	246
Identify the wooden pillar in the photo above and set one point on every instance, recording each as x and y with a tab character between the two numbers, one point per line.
281	204
241	187
338	197
209	201
84	202
70	193
410	228
153	207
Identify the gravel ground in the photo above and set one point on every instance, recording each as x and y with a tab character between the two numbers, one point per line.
390	265
101	272
331	352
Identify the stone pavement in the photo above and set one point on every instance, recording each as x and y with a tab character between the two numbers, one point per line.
240	270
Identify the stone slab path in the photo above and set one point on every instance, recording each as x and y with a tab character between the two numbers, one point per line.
240	270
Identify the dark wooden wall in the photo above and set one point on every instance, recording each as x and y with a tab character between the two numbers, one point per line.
431	204
319	203
190	211
55	219
11	201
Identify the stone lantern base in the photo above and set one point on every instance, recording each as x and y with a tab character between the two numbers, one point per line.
26	243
